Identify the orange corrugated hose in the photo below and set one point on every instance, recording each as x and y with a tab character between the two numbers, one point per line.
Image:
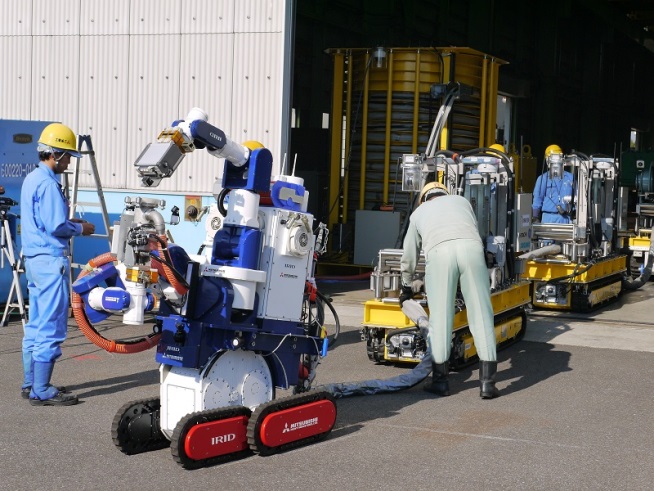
89	331
168	273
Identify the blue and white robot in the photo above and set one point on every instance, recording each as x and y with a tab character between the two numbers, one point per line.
231	325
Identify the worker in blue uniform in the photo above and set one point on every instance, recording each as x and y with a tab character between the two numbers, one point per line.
46	231
554	190
445	228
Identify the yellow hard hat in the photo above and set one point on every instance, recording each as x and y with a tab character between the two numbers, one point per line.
57	137
432	189
252	144
498	147
553	149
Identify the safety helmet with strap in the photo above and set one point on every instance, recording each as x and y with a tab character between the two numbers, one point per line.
58	138
552	149
431	190
554	160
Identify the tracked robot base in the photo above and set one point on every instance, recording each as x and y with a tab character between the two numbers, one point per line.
230	326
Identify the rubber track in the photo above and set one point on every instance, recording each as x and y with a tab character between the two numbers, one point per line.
455	364
189	421
579	301
279	405
119	430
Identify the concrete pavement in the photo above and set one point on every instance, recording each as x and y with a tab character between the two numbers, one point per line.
575	413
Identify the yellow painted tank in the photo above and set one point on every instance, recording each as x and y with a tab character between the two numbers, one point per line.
383	107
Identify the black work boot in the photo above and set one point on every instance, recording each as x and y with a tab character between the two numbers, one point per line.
61	399
45	394
439	384
25	393
487	371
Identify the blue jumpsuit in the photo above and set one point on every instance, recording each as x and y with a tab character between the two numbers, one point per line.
445	228
548	193
46	233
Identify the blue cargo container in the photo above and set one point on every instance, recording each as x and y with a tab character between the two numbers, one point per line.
18	156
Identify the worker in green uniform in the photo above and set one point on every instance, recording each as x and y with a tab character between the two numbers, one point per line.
445	227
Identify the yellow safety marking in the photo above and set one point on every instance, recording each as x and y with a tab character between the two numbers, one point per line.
545	271
640	242
377	313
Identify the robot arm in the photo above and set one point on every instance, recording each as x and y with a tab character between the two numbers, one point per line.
160	159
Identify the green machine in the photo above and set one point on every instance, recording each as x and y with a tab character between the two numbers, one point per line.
636	205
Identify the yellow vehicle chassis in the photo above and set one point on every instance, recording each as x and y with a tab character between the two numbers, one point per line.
383	320
575	286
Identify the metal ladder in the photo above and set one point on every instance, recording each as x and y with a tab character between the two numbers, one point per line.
85	147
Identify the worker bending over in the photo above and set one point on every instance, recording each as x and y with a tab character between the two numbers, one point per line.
445	228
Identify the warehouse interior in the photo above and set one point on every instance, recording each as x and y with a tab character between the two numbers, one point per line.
578	73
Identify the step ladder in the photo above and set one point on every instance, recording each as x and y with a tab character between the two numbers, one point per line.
85	147
15	298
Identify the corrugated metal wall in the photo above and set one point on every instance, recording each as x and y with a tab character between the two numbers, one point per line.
122	70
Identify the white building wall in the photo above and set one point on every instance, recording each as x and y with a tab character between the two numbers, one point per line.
54	85
104	78
153	93
16	18
15	76
102	18
60	18
257	87
207	85
122	70
259	16
209	17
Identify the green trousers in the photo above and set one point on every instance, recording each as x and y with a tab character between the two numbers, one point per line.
446	265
